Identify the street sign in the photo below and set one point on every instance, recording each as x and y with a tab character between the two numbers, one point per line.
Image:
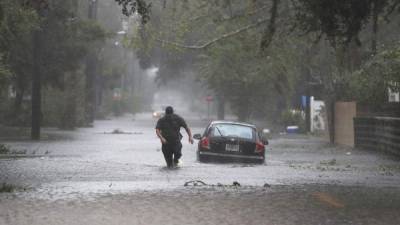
117	95
209	98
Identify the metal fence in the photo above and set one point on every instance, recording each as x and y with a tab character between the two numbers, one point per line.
377	133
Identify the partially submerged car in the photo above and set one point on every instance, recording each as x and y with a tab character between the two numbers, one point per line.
232	142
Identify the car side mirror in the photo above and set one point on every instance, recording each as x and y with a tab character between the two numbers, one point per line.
197	136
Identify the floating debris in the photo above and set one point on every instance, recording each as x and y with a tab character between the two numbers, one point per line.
7	188
195	183
236	184
4	149
266	185
119	131
329	162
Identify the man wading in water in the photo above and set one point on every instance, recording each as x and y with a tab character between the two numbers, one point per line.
168	130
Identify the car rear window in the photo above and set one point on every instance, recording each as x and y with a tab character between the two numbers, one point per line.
232	130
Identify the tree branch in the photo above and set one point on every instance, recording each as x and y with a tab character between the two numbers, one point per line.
393	7
270	31
213	41
232	17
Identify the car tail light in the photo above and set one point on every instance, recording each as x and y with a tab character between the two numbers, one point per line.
260	147
205	143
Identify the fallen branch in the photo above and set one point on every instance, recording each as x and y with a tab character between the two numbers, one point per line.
236	16
195	183
213	41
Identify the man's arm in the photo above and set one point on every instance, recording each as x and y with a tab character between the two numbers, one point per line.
189	133
162	139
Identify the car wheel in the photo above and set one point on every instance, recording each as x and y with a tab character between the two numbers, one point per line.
261	161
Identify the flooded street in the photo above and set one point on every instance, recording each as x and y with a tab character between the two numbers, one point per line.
96	94
114	173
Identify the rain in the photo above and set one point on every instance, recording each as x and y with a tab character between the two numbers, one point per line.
199	112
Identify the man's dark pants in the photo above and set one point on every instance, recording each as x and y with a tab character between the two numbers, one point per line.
172	152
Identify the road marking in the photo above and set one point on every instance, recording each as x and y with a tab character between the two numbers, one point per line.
328	199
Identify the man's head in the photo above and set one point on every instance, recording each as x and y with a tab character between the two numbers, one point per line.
169	110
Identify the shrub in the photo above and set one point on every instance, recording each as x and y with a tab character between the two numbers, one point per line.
293	118
4	149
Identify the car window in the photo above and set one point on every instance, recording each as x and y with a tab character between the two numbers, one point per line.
232	130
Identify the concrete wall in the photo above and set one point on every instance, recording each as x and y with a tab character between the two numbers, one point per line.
345	112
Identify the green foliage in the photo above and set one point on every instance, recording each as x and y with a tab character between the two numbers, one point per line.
319	61
117	107
341	23
293	118
129	7
65	108
132	104
341	20
4	73
234	70
7	188
4	149
232	67
16	27
370	84
251	82
66	40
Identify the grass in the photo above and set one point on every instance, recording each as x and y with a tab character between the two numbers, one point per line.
7	188
4	149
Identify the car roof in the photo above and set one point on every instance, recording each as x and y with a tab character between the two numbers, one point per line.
232	122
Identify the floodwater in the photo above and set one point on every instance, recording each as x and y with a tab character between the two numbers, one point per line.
93	176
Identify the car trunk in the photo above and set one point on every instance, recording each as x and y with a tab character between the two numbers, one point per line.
232	145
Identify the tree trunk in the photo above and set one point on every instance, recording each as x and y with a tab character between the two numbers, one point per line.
90	89
19	95
68	121
332	89
221	107
243	109
374	39
354	54
330	112
90	107
36	88
269	33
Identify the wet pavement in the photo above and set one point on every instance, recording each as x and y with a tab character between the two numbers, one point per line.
92	176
